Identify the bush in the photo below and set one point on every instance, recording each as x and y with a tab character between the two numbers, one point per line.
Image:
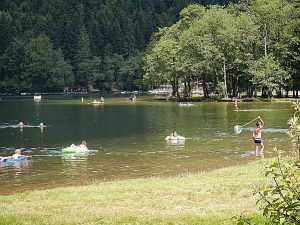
281	199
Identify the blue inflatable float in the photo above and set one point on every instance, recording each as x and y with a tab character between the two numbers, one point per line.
12	160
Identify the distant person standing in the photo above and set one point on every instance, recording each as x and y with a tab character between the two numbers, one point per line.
102	100
257	136
41	126
236	103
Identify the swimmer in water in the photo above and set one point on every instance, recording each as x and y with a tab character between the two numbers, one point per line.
21	125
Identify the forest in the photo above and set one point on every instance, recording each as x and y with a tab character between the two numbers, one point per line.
246	48
108	45
51	45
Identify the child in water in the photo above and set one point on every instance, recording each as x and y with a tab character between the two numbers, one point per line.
257	136
14	156
17	154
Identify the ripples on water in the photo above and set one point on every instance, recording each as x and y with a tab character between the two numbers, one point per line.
127	140
268	130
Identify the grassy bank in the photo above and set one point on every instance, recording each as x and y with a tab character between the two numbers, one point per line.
207	198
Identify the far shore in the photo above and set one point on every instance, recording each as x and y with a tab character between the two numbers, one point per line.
154	97
218	99
205	198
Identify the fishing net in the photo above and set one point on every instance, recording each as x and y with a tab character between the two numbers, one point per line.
237	129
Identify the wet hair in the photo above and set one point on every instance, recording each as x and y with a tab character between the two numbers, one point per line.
258	123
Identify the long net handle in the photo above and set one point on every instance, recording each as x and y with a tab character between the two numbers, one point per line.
250	122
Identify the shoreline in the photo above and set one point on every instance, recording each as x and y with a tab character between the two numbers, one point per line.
104	180
216	99
204	198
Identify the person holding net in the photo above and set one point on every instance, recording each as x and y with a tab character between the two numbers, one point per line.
257	136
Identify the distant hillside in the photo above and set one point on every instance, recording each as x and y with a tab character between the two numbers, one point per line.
90	42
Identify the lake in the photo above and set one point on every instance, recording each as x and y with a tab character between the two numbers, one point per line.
126	139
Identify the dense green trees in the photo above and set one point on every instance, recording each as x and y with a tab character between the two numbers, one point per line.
44	68
243	47
90	43
131	44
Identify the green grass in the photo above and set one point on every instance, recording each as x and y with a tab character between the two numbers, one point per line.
206	198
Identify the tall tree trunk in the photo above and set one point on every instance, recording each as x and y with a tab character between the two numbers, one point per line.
185	88
205	89
225	78
234	88
237	91
265	38
279	93
265	93
173	87
287	92
177	87
295	89
189	88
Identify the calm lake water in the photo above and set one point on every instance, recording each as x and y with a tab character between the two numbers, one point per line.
126	138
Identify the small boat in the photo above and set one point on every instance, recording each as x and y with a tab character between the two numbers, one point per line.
185	104
37	97
75	149
95	102
12	160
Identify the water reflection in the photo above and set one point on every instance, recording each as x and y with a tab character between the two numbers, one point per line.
248	154
74	166
76	157
260	154
268	130
129	138
175	145
14	168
